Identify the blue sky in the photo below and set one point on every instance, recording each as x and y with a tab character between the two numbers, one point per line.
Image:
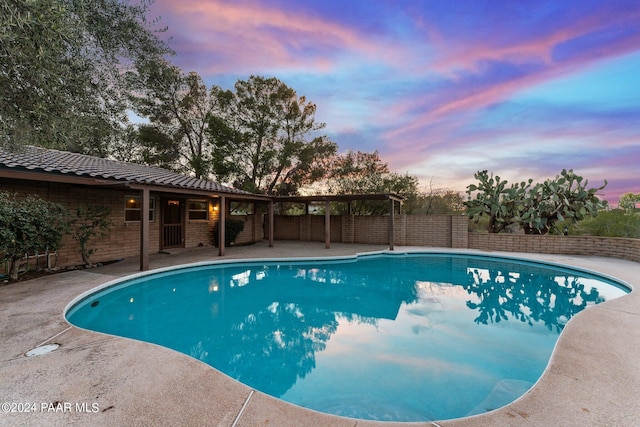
442	89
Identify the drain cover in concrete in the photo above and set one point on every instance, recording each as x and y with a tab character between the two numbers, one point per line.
43	349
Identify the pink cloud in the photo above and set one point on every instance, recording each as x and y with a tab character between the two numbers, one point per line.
247	35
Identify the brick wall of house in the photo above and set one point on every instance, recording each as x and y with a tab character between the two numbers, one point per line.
123	239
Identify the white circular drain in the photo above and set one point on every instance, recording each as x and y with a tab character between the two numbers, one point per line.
43	349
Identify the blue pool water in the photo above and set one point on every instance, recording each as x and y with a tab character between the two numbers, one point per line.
391	337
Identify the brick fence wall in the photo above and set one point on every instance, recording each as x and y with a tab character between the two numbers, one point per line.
628	249
447	231
410	230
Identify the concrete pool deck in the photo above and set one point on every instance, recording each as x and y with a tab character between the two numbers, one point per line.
593	377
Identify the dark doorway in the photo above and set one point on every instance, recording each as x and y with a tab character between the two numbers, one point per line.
172	223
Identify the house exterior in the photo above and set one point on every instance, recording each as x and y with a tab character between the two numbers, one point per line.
152	209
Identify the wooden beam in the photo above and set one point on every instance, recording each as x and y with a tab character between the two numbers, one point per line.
222	224
391	222
327	224
144	229
270	218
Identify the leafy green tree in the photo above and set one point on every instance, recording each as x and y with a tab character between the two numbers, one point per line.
27	226
435	201
146	144
536	209
264	138
629	202
88	224
357	172
61	70
179	108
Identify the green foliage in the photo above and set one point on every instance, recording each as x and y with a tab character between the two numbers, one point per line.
29	225
365	173
536	209
90	223
232	229
613	223
434	202
179	108
61	80
501	204
263	139
629	202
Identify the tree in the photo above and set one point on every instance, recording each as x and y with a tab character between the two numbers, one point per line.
536	209
147	145
264	138
61	70
179	108
434	201
362	173
27	226
629	202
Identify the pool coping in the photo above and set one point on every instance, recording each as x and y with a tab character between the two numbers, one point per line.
567	393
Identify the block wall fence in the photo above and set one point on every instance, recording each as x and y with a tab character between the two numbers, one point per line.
448	231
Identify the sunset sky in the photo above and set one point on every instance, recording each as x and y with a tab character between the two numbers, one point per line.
442	89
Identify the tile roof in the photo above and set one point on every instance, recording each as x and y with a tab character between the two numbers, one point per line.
39	159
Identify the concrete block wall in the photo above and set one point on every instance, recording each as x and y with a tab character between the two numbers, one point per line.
428	230
287	227
628	249
371	229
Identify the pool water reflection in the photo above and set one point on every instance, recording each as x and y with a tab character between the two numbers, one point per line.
387	337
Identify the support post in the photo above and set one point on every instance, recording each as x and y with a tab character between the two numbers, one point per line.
144	229
392	223
327	225
271	223
222	225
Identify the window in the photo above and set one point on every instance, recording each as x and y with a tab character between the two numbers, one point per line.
133	205
198	209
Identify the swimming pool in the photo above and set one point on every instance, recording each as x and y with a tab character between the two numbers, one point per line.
397	337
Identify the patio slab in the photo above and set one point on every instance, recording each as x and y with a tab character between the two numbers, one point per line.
593	377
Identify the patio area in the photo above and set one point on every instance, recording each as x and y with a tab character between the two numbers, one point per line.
93	379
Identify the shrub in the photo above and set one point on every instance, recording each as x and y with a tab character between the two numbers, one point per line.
614	223
233	228
29	225
90	223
